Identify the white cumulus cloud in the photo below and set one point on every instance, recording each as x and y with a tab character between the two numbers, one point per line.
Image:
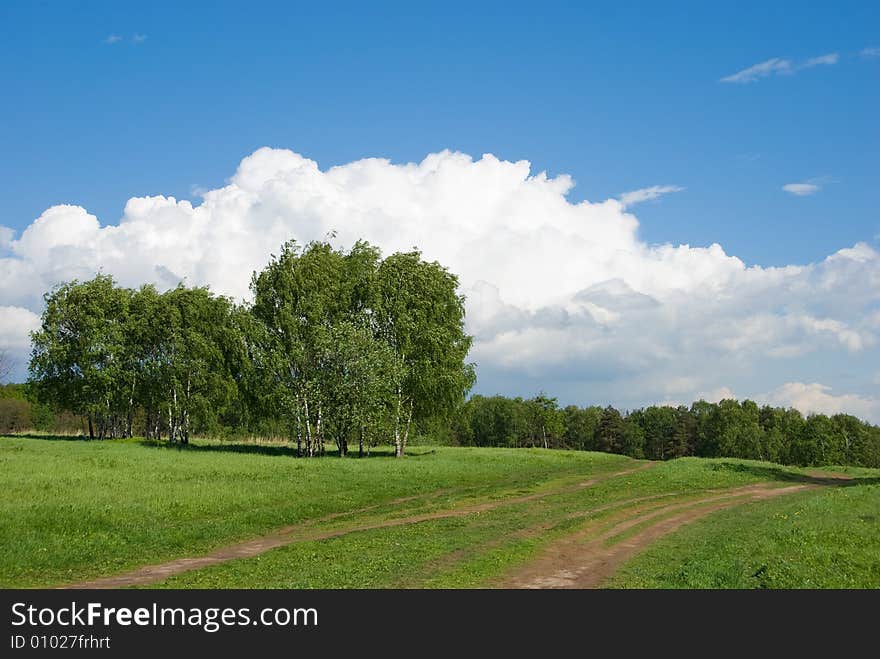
817	398
15	325
561	296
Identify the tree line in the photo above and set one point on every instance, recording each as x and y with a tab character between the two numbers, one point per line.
728	428
337	346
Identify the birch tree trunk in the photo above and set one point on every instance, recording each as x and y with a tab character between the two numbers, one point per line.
319	433
310	449
130	416
398	446
298	431
184	417
406	430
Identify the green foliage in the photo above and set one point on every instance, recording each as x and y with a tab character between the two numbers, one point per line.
725	429
77	360
580	427
420	315
112	354
338	345
356	346
511	422
13	392
610	432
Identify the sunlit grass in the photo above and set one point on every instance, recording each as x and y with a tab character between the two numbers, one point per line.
76	509
818	539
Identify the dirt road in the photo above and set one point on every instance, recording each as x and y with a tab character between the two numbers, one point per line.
587	558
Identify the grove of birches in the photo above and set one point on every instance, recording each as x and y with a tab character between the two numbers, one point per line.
340	348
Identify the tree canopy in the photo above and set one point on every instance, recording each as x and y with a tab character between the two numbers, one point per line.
728	428
337	346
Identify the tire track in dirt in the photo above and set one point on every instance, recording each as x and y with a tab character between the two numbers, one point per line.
648	503
580	562
306	532
436	566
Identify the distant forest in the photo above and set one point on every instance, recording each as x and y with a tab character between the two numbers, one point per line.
726	429
348	348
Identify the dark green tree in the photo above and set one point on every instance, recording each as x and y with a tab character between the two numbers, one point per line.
610	432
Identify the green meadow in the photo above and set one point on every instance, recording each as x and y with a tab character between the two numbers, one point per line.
76	510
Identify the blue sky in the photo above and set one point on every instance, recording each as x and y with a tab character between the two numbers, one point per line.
619	95
104	102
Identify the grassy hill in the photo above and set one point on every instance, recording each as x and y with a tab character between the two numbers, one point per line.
248	515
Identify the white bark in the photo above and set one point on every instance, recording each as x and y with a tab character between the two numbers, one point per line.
310	449
298	430
398	447
406	431
319	437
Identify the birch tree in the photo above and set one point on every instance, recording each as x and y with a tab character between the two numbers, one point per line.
358	378
298	297
77	353
195	372
421	317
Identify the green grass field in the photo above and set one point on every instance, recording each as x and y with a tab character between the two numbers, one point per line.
73	511
828	539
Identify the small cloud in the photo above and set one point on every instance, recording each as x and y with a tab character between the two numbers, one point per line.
830	58
139	38
634	197
773	66
801	189
716	395
780	66
870	53
112	39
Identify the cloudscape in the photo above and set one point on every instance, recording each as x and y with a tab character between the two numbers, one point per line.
562	296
